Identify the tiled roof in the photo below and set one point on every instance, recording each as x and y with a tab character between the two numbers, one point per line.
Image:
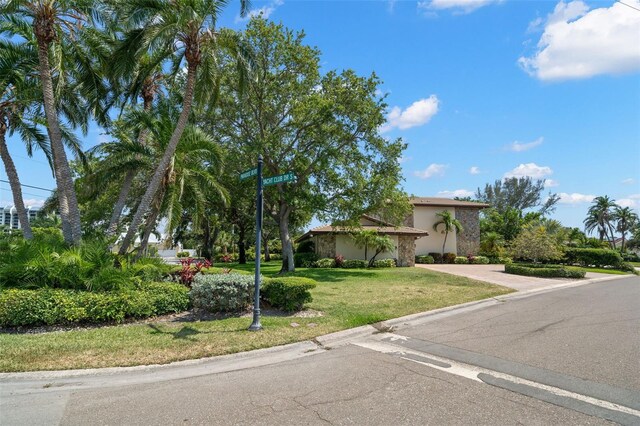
445	202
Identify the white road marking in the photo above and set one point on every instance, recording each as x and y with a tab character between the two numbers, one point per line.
471	372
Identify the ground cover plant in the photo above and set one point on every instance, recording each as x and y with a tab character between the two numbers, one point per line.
345	298
544	271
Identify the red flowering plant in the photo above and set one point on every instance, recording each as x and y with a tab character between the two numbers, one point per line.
190	268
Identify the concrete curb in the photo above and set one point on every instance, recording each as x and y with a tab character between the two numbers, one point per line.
276	354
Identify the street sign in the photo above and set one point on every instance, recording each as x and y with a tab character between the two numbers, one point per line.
287	177
248	173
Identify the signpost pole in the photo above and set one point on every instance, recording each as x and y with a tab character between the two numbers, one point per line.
255	325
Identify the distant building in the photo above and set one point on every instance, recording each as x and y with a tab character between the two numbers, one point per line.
10	216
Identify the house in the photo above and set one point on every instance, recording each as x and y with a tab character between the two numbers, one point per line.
414	237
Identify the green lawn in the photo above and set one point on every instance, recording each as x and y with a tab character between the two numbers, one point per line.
347	297
605	271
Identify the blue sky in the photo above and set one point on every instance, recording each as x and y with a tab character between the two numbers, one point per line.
481	90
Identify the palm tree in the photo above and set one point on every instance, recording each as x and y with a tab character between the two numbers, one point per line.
599	217
449	224
179	31
625	219
55	31
364	239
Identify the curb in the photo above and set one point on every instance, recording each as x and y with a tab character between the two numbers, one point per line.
276	354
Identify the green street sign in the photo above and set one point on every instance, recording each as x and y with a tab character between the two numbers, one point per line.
287	177
248	173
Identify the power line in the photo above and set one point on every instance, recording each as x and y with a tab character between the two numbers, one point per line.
628	5
29	186
23	193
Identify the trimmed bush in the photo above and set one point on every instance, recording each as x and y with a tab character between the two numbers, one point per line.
630	257
327	262
480	260
425	259
304	260
384	263
354	264
288	293
543	271
449	258
59	306
183	254
628	267
461	260
592	256
437	257
222	292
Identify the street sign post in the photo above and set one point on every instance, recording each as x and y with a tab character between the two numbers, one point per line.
272	180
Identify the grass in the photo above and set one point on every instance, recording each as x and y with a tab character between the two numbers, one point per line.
347	297
605	271
635	264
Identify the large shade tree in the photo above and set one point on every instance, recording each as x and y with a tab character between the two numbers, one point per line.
180	34
322	127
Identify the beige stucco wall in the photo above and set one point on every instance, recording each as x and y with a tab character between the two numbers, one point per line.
424	218
345	247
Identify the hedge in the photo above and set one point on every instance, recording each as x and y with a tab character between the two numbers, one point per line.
287	293
354	263
222	292
327	262
425	259
543	271
304	260
449	258
61	306
384	263
591	256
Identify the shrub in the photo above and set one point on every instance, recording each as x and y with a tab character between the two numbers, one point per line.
275	256
307	246
189	269
327	262
449	258
183	254
630	257
222	292
425	259
480	260
304	260
461	260
592	256
354	263
61	306
543	271
384	263
505	260
288	293
437	257
628	267
339	260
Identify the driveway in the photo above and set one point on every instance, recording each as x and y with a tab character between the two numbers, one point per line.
495	274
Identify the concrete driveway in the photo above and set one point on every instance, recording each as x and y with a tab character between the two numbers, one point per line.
495	274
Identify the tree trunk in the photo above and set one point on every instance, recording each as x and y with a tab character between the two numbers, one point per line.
287	244
147	198
242	252
62	171
267	255
148	228
127	182
14	183
446	234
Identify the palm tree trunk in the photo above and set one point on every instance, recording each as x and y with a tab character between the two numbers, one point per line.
14	183
127	182
147	198
148	228
446	234
62	171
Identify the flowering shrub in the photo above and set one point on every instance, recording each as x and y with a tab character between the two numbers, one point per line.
190	268
339	259
222	292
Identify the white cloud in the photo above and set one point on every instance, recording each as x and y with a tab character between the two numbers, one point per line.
417	114
628	181
634	196
431	171
265	11
457	193
464	6
404	159
575	198
550	183
28	202
578	43
474	170
524	146
530	169
626	202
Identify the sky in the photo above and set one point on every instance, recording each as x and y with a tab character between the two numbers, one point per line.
479	90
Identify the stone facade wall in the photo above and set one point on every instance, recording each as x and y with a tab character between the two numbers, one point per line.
326	245
408	221
406	250
468	241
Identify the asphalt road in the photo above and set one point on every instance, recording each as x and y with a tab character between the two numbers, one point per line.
569	356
